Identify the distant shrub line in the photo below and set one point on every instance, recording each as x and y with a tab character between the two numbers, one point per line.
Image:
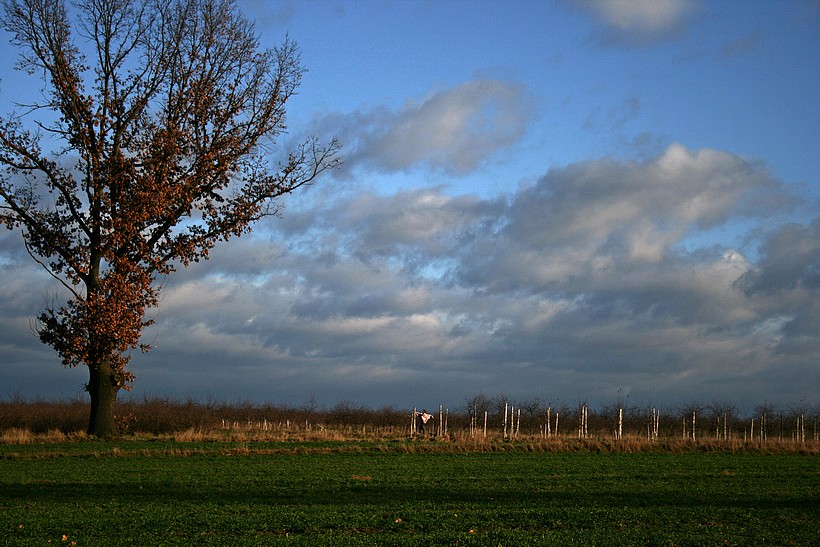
479	418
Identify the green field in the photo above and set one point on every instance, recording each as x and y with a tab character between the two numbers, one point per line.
377	493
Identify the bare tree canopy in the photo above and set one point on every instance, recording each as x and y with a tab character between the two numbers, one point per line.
151	142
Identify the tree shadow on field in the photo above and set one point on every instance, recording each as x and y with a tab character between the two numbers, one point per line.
370	492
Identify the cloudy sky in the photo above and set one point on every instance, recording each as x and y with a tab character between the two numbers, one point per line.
568	199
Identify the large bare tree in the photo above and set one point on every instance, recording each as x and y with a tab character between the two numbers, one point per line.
153	139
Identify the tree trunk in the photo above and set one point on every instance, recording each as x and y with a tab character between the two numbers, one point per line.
103	388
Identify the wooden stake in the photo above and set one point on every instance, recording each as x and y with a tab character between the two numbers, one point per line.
505	420
473	423
655	422
548	431
584	423
440	421
801	428
518	422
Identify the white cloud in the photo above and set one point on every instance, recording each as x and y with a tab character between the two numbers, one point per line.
636	22
454	130
601	219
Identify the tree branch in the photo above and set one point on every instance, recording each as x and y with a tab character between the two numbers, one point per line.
47	269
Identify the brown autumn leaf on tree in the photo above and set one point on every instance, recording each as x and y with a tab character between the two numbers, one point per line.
151	143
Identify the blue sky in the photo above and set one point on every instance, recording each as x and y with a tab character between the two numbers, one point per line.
571	199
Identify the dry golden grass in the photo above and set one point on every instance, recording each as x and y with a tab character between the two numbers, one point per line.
192	434
17	435
351	438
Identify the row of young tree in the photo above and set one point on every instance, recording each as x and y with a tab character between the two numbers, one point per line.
691	420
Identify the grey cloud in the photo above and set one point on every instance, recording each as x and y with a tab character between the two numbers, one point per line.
268	13
27	367
791	259
742	45
575	286
616	117
786	284
454	130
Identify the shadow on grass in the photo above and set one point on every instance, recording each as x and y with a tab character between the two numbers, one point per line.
386	493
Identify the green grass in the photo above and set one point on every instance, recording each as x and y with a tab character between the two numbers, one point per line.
166	493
